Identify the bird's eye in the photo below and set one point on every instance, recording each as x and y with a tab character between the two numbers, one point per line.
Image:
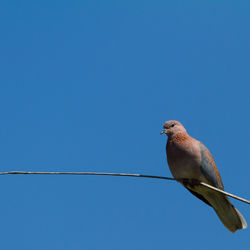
172	125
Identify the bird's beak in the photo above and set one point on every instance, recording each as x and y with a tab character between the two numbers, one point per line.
164	131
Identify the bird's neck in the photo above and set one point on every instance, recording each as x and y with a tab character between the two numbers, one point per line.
178	137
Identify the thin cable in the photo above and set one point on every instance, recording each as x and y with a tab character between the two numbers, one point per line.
127	175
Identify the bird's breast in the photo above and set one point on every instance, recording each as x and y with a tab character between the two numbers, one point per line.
184	159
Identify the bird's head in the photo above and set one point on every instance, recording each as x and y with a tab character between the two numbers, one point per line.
172	127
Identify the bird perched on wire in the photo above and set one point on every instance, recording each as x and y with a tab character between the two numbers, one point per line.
191	161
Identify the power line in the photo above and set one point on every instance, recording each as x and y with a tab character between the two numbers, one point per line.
130	175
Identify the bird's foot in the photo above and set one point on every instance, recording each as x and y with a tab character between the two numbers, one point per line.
190	182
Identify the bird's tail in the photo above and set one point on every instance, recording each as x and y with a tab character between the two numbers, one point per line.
228	214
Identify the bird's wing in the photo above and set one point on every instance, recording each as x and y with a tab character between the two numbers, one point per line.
208	168
210	172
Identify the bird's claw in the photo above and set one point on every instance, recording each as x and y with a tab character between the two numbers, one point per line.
190	182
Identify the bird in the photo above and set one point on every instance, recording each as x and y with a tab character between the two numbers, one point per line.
189	160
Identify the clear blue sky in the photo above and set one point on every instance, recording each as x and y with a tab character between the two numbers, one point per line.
86	86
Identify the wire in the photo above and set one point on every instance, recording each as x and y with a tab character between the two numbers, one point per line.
197	182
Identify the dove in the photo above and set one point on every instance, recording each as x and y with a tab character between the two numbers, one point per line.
190	160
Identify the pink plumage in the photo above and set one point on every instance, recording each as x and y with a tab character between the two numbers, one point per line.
188	158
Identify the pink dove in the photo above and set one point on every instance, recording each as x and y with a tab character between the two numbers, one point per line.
188	158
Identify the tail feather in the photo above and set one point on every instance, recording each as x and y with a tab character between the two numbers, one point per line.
228	214
243	221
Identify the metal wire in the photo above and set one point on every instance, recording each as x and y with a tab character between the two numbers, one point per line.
126	175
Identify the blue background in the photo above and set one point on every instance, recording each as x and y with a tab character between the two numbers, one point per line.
86	86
